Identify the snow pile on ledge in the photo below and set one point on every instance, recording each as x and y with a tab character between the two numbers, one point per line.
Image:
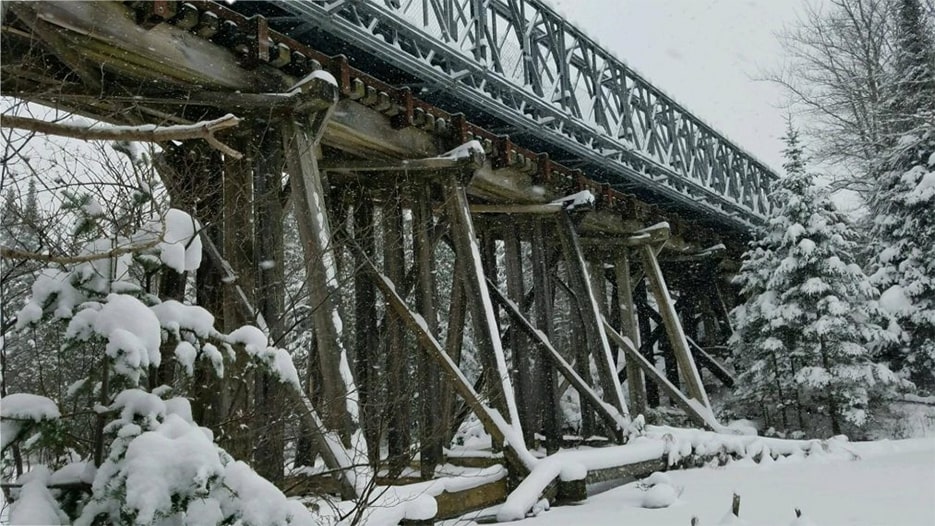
582	199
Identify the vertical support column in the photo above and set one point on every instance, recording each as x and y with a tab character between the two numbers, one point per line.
366	343
590	313
432	432
500	388
544	296
457	312
337	384
238	252
271	298
524	362
647	342
636	383
673	327
397	360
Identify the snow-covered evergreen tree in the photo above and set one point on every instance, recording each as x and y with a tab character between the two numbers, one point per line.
903	262
805	336
903	231
912	89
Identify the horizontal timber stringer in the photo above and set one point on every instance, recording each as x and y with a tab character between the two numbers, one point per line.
372	172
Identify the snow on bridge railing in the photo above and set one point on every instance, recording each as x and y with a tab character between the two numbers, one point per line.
522	63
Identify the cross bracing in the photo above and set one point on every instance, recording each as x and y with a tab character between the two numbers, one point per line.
522	64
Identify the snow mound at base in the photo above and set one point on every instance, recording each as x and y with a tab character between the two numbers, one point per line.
660	496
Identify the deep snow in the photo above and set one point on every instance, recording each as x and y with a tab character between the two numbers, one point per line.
892	484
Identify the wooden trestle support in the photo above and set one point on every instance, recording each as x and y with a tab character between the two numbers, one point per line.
391	197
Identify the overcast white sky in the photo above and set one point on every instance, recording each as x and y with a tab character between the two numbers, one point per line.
706	54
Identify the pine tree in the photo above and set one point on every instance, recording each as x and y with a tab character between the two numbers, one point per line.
903	230
904	256
804	338
912	90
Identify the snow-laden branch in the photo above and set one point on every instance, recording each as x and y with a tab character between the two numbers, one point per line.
148	132
12	253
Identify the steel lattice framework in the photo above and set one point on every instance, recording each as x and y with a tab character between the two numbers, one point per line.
522	63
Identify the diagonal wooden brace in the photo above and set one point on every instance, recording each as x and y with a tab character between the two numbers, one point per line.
613	420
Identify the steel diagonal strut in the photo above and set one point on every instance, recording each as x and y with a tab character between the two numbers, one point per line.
520	62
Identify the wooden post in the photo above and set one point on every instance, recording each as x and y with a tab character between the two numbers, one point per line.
238	252
590	313
673	328
647	341
397	360
366	342
636	384
432	432
544	296
271	297
482	314
337	385
457	312
524	362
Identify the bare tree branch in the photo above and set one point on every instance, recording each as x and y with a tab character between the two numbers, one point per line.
12	253
200	130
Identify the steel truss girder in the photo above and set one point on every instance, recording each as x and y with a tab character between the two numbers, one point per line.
519	61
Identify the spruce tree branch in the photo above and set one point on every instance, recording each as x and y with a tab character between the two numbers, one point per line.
149	133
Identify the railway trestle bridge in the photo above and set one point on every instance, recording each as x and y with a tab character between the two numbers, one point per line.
584	223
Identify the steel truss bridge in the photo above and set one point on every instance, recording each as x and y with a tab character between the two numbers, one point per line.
541	80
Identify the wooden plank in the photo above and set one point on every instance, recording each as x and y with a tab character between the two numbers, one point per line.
673	327
427	167
612	421
590	313
636	383
544	208
651	373
626	472
457	503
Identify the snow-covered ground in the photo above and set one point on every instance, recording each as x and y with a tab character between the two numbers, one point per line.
892	484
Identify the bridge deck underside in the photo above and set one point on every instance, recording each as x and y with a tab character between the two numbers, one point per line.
522	70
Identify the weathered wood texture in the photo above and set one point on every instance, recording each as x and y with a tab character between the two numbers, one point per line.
636	383
673	327
315	234
590	313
